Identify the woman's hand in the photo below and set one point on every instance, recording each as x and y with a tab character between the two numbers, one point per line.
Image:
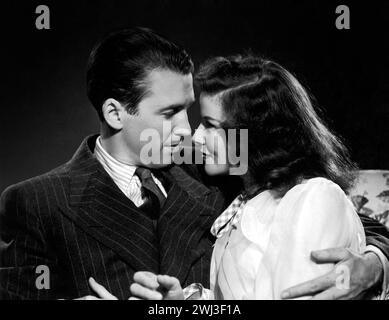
101	292
150	286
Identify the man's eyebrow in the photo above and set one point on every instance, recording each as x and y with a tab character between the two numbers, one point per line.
178	106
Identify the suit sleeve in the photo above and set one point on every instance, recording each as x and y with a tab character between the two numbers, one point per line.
376	234
24	263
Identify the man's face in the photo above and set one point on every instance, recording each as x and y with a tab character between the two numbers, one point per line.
164	111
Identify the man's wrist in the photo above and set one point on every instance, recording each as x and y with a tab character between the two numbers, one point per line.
377	269
383	278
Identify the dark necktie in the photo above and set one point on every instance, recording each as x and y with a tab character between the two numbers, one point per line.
153	196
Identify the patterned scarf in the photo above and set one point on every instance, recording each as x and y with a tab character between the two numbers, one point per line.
229	218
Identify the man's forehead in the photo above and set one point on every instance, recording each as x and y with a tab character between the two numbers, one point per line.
169	85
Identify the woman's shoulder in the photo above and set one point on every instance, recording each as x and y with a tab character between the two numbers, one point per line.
318	198
318	205
319	188
312	206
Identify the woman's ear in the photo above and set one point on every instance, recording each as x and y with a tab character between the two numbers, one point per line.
113	113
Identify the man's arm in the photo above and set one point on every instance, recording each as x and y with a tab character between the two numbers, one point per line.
376	234
368	272
22	249
377	240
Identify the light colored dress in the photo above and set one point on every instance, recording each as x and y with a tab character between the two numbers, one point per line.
269	249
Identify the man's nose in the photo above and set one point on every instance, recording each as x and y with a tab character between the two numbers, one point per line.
183	128
198	137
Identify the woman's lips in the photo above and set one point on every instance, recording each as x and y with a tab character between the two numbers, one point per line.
175	147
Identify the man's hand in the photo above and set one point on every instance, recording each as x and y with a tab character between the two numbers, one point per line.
364	271
156	287
101	292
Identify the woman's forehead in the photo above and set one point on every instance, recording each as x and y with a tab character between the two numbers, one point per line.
211	106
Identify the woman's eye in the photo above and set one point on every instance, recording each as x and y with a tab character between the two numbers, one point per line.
208	125
168	115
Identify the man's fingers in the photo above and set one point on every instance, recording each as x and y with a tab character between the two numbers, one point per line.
330	255
310	287
145	293
332	294
100	290
146	279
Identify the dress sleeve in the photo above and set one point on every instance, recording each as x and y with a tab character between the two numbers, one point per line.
312	216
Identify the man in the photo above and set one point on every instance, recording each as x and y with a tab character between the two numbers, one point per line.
108	212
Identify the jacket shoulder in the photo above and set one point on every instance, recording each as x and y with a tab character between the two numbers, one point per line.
38	185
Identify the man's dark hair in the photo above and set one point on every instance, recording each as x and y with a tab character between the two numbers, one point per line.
119	64
287	140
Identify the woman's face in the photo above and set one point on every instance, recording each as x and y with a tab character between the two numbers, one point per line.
210	137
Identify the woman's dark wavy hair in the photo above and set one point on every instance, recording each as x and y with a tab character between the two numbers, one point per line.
287	140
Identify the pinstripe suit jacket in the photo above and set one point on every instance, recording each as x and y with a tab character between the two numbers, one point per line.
76	221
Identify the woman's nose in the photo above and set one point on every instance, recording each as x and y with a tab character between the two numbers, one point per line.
198	137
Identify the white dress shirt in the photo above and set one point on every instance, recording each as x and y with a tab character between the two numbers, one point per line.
123	175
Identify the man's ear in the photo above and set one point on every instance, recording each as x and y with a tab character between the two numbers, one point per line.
113	113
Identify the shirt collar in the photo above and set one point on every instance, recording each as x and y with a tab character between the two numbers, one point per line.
119	171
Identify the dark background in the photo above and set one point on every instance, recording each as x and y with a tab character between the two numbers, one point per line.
45	112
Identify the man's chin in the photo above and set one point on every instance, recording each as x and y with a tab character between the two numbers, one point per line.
165	162
158	165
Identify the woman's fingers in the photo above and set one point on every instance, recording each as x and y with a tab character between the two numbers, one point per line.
88	298
170	287
100	290
142	292
145	286
146	279
152	287
168	283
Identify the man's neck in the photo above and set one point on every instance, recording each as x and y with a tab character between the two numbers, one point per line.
113	144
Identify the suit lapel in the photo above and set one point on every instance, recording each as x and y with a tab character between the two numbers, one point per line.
99	207
187	216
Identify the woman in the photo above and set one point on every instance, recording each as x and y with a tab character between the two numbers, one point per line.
293	199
